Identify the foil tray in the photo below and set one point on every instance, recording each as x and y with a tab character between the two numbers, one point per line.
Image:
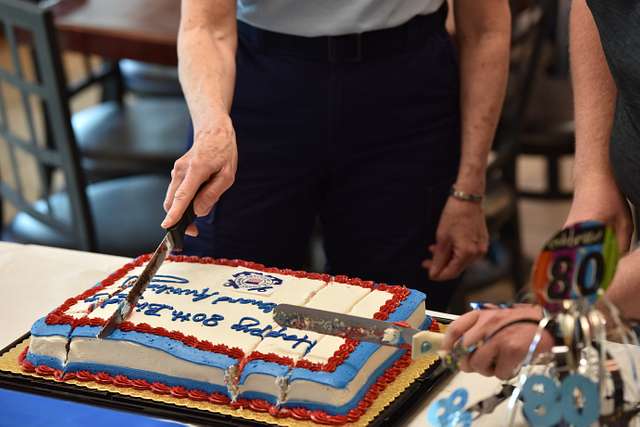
396	402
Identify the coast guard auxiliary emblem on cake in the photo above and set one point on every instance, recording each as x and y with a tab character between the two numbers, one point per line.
253	282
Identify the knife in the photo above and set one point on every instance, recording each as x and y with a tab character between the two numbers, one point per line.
172	241
420	342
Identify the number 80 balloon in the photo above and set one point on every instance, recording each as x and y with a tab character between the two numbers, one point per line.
575	263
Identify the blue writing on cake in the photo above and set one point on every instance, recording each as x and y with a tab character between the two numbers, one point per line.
198	295
252	326
158	278
154	309
180	315
253	281
264	306
205	319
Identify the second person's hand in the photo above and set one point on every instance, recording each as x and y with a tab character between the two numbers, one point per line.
211	162
502	354
461	238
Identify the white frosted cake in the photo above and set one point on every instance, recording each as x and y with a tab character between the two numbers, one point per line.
204	330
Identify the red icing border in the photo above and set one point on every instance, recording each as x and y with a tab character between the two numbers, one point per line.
400	293
320	417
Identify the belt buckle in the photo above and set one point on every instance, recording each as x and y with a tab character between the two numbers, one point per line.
333	43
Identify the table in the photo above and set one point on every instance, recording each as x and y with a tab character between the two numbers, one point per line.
36	279
146	30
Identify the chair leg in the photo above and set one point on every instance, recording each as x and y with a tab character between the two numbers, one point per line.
553	184
113	86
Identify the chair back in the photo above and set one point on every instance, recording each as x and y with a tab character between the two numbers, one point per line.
32	90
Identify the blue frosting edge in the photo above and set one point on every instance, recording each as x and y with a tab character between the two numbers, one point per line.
41	329
170	346
39	359
345	373
133	374
341	410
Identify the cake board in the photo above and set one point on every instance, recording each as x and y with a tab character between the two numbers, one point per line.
396	402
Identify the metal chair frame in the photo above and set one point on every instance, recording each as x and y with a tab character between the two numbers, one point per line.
20	20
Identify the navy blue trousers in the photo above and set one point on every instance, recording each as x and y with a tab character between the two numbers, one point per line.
370	148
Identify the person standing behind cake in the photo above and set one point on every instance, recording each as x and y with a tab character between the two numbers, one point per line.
358	112
606	84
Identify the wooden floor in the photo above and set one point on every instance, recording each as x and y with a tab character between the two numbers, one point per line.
539	218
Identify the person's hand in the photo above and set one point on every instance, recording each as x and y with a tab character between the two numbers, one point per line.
601	200
461	238
212	160
502	354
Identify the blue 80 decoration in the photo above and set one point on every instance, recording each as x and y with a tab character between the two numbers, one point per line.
449	412
548	407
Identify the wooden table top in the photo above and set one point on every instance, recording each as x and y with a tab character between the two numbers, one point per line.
146	30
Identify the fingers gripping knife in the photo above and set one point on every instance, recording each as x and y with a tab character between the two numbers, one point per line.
173	240
421	343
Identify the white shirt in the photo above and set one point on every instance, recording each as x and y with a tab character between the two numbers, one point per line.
331	17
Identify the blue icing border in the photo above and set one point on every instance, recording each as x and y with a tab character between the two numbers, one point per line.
262	367
341	410
408	306
170	346
147	376
41	329
344	373
39	359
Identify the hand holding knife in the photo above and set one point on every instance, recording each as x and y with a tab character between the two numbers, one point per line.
172	241
421	343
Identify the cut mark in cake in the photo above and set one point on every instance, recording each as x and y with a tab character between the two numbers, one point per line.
231	379
282	384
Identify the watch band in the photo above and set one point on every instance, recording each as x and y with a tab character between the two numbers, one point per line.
465	197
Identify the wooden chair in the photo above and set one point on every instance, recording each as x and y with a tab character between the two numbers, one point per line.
119	216
121	135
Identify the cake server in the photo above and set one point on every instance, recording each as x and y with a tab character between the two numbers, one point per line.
172	241
421	343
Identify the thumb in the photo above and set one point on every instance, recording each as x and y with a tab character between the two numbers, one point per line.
624	237
441	255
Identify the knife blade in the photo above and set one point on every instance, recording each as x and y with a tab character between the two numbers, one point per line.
421	342
172	241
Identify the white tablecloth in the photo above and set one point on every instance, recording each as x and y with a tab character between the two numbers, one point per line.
36	279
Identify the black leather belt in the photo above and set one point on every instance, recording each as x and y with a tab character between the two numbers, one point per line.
351	47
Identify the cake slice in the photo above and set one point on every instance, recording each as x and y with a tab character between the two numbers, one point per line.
204	329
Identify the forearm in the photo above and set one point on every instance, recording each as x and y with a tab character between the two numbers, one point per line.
206	59
624	290
484	65
594	98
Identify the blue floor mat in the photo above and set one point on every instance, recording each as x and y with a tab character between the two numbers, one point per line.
30	410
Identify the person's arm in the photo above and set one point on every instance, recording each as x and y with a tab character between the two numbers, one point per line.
483	35
624	290
596	195
207	43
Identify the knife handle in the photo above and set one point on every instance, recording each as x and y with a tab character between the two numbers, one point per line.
188	217
424	343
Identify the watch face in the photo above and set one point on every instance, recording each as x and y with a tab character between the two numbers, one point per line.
577	262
